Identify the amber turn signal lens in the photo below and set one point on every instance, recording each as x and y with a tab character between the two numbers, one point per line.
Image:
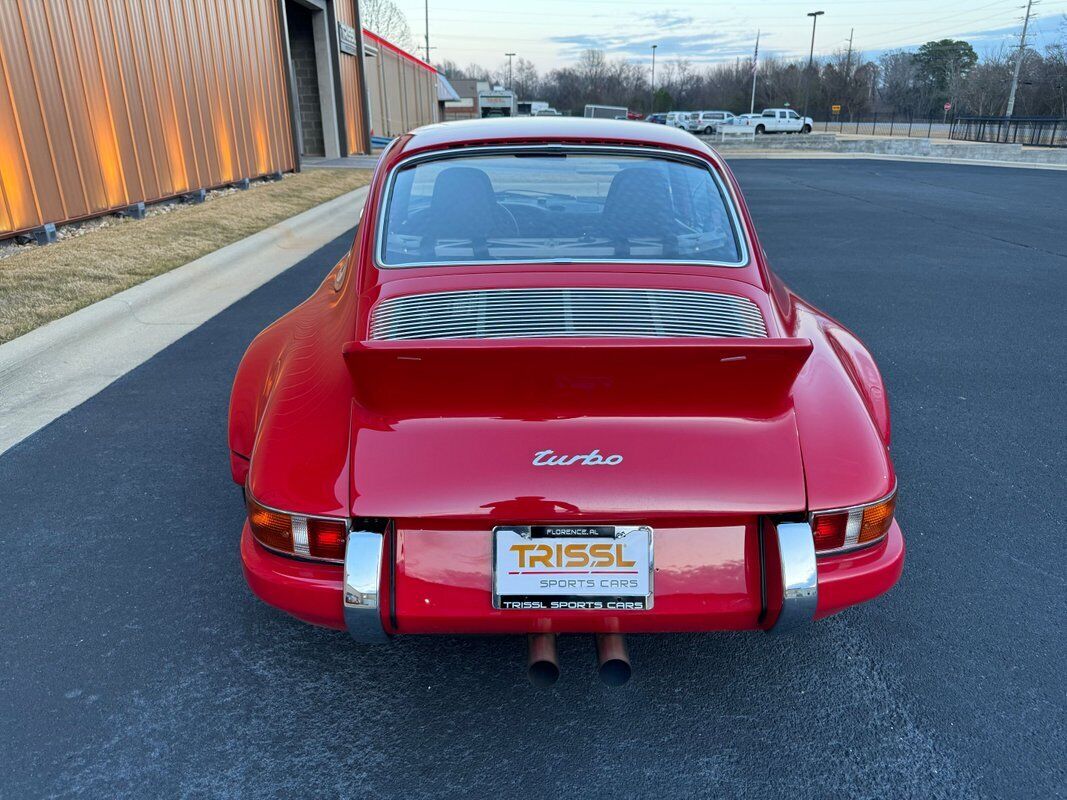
271	528
877	519
326	538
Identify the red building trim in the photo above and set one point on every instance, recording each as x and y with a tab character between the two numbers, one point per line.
378	40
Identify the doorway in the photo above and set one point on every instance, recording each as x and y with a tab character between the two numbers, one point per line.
311	79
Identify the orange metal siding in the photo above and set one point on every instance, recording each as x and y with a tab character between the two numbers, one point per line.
351	85
104	103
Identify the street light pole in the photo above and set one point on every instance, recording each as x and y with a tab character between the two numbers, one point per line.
427	5
510	56
755	69
652	100
811	57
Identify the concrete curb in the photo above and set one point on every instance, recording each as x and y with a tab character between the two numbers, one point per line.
894	149
820	154
50	370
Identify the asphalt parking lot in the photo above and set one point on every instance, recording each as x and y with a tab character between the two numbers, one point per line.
135	662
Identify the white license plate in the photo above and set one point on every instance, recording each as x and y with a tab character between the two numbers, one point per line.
572	567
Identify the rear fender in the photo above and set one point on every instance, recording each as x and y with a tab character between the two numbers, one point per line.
261	366
864	373
256	374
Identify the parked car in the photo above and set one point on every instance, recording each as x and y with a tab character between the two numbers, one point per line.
606	112
779	120
706	122
659	119
678	119
556	356
547	112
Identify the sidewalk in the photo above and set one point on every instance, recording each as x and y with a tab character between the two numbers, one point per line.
50	370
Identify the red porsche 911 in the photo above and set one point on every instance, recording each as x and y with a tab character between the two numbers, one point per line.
556	388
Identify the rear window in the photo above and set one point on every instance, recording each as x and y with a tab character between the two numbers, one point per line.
559	207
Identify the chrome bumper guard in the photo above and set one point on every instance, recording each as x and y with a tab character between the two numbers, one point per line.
362	588
800	582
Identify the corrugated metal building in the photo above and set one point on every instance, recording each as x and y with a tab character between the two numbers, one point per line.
105	104
402	89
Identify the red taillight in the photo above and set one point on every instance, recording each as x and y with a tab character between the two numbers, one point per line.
845	529
326	539
829	530
295	534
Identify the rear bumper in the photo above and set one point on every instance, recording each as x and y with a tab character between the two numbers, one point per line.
452	597
854	578
310	592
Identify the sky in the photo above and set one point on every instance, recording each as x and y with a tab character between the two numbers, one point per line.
552	33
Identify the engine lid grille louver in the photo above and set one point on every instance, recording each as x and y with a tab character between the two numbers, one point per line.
578	312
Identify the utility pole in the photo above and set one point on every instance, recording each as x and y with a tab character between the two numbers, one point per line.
427	31
510	56
811	57
652	100
1019	60
755	69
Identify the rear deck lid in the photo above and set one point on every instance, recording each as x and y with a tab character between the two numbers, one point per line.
549	429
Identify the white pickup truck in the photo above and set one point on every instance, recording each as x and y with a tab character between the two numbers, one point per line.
777	120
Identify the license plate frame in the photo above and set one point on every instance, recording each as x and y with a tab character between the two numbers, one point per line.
585	597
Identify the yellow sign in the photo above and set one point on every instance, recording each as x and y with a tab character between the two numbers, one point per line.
836	109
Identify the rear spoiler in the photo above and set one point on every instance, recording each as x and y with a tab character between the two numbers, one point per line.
534	378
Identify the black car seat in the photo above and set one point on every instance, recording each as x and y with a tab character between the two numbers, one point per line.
638	206
462	206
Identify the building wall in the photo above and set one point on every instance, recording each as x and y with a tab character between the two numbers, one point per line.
464	108
104	104
352	88
401	88
467	106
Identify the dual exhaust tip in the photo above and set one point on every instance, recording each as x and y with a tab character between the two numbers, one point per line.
613	662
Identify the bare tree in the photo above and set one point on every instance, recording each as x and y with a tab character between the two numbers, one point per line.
1055	78
526	81
986	89
900	81
384	18
894	85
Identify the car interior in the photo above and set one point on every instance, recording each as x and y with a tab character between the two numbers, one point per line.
617	209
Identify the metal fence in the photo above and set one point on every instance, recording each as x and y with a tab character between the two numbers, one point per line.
934	127
1031	131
